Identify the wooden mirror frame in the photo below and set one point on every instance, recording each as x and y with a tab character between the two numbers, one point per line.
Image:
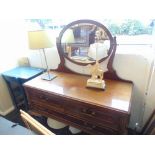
110	74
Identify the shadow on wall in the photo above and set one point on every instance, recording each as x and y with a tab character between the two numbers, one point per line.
135	68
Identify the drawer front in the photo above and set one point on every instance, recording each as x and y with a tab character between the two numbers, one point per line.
72	120
99	116
44	99
92	113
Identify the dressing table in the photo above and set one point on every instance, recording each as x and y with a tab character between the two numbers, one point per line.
67	99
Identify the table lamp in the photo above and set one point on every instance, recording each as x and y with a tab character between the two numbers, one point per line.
40	40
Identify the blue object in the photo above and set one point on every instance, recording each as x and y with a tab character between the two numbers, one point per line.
15	79
24	73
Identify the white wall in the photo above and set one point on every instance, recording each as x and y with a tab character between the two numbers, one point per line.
13	45
6	104
150	98
135	68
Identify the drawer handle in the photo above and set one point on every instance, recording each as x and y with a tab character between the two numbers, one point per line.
88	112
94	126
93	113
84	110
89	126
41	97
85	123
46	98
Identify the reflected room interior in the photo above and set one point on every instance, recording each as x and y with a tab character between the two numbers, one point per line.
85	43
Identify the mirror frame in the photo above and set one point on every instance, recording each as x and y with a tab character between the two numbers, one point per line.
111	52
89	22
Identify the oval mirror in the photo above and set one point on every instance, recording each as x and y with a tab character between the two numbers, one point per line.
85	41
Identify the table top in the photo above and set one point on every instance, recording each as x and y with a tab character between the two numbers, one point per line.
117	94
9	128
23	72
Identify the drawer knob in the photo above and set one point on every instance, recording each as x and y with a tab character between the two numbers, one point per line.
41	97
85	123
93	112
93	127
84	110
46	98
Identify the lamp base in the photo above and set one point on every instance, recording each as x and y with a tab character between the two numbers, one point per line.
48	76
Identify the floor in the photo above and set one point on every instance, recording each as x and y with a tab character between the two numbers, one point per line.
15	117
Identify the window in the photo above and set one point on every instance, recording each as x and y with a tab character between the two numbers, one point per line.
133	35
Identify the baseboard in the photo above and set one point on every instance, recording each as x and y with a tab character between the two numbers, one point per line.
7	111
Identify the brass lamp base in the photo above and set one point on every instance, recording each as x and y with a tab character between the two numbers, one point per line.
47	76
96	83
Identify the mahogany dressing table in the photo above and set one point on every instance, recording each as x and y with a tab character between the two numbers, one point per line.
66	97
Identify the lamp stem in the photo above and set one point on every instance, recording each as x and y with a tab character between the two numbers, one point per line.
46	63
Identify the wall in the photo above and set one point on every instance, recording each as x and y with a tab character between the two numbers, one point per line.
6	104
135	68
13	45
150	98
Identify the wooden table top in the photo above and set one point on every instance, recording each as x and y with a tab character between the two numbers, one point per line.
117	94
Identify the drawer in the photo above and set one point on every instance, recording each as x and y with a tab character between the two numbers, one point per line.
90	111
44	99
47	105
99	116
74	121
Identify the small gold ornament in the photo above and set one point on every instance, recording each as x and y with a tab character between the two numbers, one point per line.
96	80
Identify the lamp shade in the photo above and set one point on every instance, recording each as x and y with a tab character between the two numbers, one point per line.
68	37
39	39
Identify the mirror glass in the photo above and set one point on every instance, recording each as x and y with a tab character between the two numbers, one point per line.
85	43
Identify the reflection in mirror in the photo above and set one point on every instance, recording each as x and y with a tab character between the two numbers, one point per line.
85	43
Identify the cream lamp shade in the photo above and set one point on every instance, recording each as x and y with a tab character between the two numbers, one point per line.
39	39
68	37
